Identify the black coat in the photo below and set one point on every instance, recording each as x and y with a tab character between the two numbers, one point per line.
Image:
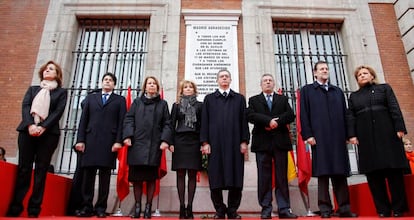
100	127
224	126
57	107
260	115
147	123
374	117
322	116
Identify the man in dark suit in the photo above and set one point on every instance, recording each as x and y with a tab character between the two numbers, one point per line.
225	134
270	113
99	137
322	117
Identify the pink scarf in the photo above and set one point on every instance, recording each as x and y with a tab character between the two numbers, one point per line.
41	102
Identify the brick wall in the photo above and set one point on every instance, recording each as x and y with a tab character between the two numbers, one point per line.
394	59
21	27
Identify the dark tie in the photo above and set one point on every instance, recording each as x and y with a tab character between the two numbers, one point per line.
104	98
225	94
269	101
325	86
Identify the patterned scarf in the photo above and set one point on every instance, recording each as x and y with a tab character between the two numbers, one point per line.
187	108
41	102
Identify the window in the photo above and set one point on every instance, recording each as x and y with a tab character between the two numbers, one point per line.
116	46
297	47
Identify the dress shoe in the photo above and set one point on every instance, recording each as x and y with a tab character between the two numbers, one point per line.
265	216
325	215
233	216
137	211
219	216
147	211
286	215
33	215
85	213
384	215
397	214
189	212
348	214
101	214
182	212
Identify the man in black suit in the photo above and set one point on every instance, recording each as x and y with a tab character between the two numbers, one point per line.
270	113
99	137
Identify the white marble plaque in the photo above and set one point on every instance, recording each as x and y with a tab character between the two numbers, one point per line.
210	47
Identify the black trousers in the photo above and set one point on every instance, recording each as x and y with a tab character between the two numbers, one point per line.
88	188
377	182
265	169
37	150
340	190
233	201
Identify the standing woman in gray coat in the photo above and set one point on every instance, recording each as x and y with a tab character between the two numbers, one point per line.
376	124
147	132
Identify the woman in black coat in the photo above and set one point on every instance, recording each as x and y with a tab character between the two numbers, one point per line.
42	108
376	124
186	157
147	132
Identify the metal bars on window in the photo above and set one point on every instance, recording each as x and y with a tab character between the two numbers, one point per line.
118	46
299	45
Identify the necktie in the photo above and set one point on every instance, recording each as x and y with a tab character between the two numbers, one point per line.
325	86
225	94
104	98
269	101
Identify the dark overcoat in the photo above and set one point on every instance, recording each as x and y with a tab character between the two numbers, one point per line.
322	116
147	123
374	117
100	127
260	115
224	126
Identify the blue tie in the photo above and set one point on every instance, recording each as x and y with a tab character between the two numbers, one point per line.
104	98
269	101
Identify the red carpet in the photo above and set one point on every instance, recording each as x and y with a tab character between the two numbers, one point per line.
169	218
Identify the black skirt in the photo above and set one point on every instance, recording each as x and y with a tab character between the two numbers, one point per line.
142	173
187	154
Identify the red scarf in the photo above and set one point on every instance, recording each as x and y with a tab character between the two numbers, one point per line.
410	157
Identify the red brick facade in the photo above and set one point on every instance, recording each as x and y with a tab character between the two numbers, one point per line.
21	27
394	59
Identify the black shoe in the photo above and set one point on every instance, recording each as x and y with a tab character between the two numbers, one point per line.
33	215
233	216
137	211
265	216
325	215
397	214
189	212
101	214
219	216
14	211
348	214
182	212
287	215
85	212
147	211
384	215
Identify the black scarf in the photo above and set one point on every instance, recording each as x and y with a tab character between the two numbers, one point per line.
187	108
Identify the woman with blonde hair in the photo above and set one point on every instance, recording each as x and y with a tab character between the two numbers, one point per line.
376	124
186	157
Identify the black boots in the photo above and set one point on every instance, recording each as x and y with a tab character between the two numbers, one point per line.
137	211
186	213
182	212
189	213
147	211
